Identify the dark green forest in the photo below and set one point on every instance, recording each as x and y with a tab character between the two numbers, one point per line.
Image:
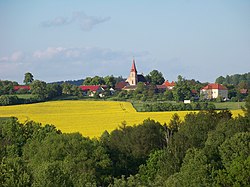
207	148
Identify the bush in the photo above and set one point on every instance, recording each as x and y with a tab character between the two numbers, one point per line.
8	100
156	107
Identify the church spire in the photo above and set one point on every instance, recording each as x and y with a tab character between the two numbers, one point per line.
132	78
133	69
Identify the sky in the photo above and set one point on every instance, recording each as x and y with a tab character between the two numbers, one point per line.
69	40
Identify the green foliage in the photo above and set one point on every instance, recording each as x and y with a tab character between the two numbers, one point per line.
241	80
8	100
14	172
54	90
235	158
169	95
6	87
155	107
110	81
129	146
71	158
28	78
155	77
181	90
38	88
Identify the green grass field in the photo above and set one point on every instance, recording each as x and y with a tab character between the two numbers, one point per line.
91	118
229	105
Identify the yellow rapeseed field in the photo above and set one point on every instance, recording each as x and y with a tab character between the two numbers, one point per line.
91	118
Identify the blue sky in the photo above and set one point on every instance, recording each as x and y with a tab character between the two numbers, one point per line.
67	40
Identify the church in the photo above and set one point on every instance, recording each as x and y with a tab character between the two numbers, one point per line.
133	78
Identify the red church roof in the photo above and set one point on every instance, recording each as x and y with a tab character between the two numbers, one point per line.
214	86
168	84
133	69
21	87
92	88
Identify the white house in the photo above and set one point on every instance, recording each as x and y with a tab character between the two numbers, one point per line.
213	91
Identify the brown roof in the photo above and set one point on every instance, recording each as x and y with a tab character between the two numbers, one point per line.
120	85
161	86
130	87
214	86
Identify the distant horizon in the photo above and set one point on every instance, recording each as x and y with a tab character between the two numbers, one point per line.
77	79
62	40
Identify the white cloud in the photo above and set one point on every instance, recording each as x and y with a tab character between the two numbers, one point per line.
85	22
88	22
50	52
61	63
14	57
58	21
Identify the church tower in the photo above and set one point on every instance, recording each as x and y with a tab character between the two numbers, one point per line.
133	79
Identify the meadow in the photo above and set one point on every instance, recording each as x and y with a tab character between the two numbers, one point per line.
90	118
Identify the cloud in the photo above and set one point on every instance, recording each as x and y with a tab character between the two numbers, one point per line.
50	52
88	22
83	54
64	63
14	57
58	21
85	22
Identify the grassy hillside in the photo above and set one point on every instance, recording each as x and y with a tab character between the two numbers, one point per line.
91	118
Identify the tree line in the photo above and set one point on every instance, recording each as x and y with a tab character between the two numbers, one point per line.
240	80
205	149
184	89
155	107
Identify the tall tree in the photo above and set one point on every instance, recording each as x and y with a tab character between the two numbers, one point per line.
182	89
39	88
155	77
28	78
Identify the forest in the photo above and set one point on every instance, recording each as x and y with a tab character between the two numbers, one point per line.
207	148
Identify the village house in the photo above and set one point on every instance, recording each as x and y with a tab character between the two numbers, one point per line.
91	90
169	85
213	91
21	87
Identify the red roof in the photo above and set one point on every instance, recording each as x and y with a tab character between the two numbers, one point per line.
194	92
21	87
92	88
133	69
214	86
168	84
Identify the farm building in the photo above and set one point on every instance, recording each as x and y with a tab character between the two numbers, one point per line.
213	91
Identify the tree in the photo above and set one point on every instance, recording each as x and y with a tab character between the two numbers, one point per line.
129	146
235	157
156	77
220	80
28	78
54	90
66	88
182	89
169	95
110	81
39	88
